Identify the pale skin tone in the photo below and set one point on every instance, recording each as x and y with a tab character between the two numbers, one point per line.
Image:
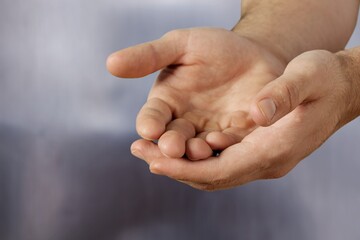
245	92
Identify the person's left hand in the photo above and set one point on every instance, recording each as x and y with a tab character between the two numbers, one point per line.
313	98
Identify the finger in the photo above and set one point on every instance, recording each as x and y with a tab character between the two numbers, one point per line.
215	172
173	167
146	58
152	119
202	135
198	149
172	142
220	140
283	95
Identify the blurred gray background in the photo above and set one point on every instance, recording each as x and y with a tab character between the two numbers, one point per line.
66	125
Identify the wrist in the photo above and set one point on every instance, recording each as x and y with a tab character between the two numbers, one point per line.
267	42
349	61
267	49
294	27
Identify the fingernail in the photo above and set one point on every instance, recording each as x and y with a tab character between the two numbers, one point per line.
154	168
137	153
267	108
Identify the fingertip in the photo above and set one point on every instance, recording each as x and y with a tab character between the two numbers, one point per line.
213	137
258	116
155	167
109	62
114	64
150	129
172	144
197	149
126	63
146	150
219	140
152	119
138	147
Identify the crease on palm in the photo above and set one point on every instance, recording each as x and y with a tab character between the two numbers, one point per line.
217	106
208	84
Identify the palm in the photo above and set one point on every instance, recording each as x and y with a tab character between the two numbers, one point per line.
313	110
207	88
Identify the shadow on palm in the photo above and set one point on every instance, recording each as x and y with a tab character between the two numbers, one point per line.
200	101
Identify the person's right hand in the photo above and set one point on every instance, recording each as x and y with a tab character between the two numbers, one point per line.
316	95
200	101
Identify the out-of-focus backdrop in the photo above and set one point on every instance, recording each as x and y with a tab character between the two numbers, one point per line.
66	125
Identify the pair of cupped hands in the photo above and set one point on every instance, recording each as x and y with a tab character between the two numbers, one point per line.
225	110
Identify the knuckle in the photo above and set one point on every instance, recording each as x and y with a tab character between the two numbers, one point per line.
213	184
276	166
207	187
274	174
289	95
264	166
220	181
174	33
149	112
264	160
310	63
279	166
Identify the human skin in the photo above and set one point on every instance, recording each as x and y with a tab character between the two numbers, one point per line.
200	102
327	99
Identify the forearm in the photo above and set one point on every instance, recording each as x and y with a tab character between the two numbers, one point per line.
290	27
350	62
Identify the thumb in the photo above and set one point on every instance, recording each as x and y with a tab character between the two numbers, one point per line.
283	95
143	59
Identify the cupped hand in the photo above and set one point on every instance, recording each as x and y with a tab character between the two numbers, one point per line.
303	107
200	101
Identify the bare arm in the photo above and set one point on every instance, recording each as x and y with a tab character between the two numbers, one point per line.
201	101
350	62
290	27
